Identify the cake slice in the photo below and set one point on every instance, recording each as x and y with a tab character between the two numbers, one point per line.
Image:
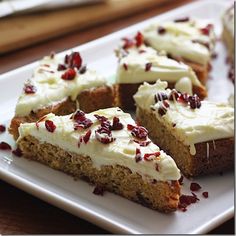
108	149
199	135
139	63
188	40
228	31
60	85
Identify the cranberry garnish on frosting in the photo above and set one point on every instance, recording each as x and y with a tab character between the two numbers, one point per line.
138	156
83	69
142	143
183	19
138	131
2	128
81	121
86	137
117	125
29	89
128	43
61	67
206	30
50	126
69	74
150	156
161	30
104	135
4	146
194	101
139	39
148	66
160	96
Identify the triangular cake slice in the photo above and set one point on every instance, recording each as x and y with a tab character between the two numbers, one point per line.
139	63
189	40
199	135
107	148
59	85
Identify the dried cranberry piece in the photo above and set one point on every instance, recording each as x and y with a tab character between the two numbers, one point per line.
50	126
66	59
195	187
183	98
142	51
98	190
206	30
128	43
2	128
161	30
4	146
139	39
78	115
75	60
183	19
83	70
61	67
148	66
101	118
84	124
130	127
117	125
17	152
142	143
166	104
30	89
194	101
147	156
186	200
139	132
87	136
173	95
125	66
205	194
160	97
138	156
69	74
104	135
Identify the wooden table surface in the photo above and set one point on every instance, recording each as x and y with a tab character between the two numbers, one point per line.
20	213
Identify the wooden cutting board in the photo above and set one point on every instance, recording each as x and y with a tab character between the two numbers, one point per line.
19	31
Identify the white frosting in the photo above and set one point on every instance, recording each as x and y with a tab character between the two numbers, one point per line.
211	121
131	68
228	20
120	152
184	85
51	88
177	39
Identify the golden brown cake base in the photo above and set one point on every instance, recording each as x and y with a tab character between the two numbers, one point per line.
221	152
229	43
89	100
162	196
126	92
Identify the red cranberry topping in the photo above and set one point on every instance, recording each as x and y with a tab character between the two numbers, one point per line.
162	110
181	180
186	200
125	66
117	125
183	19
194	101
2	128
138	156
148	66
78	115
50	126
161	30
83	70
147	156
195	187
29	89
101	118
61	67
4	146
173	95
75	60
139	39
130	127
128	43
183	97
142	51
69	74
17	152
160	97
87	136
166	104
104	135
98	190
205	194
138	132
142	143
66	59
81	120
206	30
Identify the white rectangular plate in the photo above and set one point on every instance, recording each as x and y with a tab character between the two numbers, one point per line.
112	212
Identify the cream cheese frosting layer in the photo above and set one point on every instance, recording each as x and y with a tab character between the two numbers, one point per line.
121	151
51	88
211	121
143	63
193	40
228	20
